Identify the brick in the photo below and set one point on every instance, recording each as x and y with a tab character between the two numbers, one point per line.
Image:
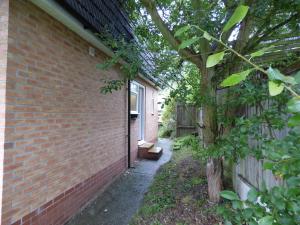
64	140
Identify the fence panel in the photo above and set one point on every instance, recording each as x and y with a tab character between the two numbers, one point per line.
186	120
250	170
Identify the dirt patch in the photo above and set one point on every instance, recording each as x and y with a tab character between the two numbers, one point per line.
178	195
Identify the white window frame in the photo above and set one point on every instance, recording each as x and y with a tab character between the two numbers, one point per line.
152	104
136	92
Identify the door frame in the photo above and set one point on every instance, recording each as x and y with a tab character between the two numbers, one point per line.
141	110
142	113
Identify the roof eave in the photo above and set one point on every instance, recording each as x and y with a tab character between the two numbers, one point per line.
52	8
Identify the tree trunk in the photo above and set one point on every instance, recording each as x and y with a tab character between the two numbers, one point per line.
214	179
210	132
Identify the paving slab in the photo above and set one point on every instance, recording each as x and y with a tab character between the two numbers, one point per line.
121	200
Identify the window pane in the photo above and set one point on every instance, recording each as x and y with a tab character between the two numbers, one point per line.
152	107
134	88
133	101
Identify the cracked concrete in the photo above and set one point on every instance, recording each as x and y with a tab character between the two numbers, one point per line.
119	202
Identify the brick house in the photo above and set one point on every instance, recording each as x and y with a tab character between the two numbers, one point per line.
62	140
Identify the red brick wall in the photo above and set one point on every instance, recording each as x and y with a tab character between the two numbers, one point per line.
60	131
3	67
60	209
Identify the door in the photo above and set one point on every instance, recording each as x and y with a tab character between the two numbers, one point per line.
141	116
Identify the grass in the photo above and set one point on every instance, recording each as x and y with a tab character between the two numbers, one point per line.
178	194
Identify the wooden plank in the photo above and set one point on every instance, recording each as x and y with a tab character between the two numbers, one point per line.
186	119
155	150
146	145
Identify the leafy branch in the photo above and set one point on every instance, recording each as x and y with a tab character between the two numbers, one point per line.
277	81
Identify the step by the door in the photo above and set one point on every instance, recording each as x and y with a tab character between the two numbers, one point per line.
155	150
153	153
146	145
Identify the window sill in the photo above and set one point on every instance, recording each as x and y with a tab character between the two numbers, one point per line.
134	115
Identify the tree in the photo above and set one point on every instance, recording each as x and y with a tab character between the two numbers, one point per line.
177	30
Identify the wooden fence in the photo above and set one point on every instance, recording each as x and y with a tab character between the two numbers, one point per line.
249	171
186	119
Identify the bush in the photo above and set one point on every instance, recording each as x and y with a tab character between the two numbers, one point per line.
164	132
167	130
186	141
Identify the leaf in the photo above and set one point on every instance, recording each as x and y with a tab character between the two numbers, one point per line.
290	80
252	195
227	223
237	204
238	15
275	88
260	52
182	30
279	204
293	181
230	195
274	74
294	120
235	78
188	42
268	165
214	59
207	36
267	220
247	212
297	77
293	105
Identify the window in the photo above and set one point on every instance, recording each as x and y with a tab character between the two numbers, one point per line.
134	98
152	103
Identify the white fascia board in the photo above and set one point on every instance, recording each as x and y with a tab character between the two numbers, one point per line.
60	14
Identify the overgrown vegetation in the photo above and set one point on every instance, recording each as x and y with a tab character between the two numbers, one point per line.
168	127
174	196
210	33
226	39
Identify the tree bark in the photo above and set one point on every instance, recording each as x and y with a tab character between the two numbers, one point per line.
214	179
210	133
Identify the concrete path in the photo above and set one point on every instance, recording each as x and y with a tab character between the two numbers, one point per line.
121	200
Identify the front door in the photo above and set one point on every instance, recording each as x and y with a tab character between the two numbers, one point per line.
141	117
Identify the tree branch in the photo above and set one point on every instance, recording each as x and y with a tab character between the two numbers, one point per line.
186	53
256	40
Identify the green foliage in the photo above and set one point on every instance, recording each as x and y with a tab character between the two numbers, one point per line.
235	78
214	59
189	42
129	64
165	132
229	195
168	119
182	30
189	141
238	15
275	88
261	52
187	90
277	206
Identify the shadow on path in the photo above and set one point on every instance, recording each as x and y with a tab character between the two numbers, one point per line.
121	200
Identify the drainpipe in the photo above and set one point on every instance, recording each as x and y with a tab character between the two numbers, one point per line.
128	121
